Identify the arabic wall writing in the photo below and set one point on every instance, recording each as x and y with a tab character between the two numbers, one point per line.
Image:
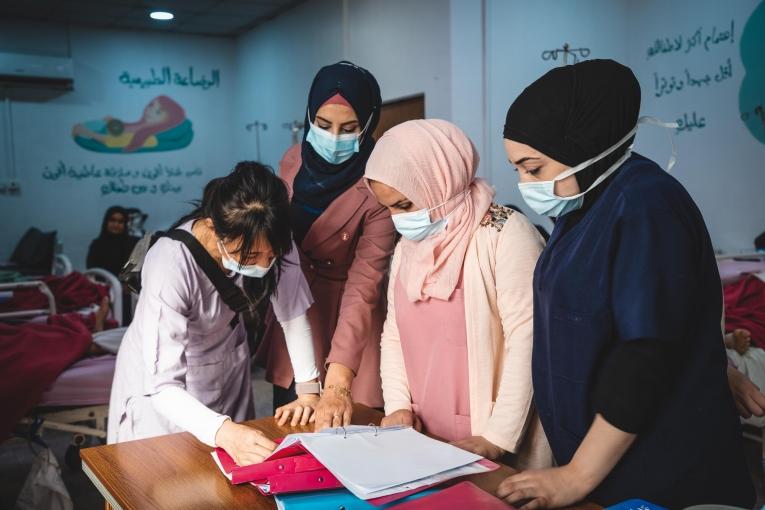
693	58
701	38
121	180
710	48
187	77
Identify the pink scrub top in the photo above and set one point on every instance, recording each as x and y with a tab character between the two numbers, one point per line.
180	336
433	337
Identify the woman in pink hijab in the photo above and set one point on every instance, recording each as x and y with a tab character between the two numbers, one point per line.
456	345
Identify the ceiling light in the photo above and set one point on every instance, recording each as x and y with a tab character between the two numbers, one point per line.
161	15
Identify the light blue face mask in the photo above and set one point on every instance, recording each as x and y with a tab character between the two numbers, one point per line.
334	149
251	271
541	197
416	225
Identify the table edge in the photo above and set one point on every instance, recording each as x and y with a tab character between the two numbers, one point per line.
110	499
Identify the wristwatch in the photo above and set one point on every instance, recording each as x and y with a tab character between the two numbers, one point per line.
303	388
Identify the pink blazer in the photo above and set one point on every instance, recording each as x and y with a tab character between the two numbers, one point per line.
345	257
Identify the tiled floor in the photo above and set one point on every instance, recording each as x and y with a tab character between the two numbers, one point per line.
16	460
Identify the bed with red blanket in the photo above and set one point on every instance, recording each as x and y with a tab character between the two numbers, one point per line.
45	362
32	357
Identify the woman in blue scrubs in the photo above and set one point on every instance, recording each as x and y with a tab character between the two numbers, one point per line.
629	367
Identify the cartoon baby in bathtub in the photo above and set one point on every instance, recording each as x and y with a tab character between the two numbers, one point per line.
163	127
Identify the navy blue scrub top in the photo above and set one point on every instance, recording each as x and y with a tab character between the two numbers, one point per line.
640	265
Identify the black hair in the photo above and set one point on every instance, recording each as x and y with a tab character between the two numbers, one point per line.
249	204
115	209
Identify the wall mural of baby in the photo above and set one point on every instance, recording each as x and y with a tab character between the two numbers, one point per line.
163	127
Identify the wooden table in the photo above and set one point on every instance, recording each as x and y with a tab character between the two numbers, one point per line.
177	472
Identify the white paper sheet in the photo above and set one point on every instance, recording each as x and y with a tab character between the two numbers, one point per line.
373	462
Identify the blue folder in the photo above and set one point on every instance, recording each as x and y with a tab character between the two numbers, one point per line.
635	504
338	498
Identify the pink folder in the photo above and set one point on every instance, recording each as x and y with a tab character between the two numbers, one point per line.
461	495
299	472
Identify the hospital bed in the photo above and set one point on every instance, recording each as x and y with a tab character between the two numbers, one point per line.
734	267
78	401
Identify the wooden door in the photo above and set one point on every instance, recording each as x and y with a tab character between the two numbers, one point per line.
400	110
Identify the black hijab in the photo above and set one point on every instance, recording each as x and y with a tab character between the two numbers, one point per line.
574	113
111	251
318	182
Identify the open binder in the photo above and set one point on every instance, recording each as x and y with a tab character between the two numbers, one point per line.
375	464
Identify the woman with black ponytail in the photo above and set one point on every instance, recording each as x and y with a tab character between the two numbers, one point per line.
184	363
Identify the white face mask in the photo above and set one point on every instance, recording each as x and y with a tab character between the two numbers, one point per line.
251	271
541	197
416	225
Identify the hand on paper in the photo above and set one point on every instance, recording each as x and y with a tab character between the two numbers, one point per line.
301	410
246	445
543	488
480	446
402	417
747	396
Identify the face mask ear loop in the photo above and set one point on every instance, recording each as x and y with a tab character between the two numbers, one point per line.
581	166
647	119
673	156
224	252
458	195
362	133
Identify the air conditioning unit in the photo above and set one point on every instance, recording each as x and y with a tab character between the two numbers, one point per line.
20	71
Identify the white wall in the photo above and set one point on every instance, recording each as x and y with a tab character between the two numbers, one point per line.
721	164
275	65
469	73
406	45
42	134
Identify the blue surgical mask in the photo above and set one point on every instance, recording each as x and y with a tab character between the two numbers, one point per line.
416	225
251	271
541	197
334	149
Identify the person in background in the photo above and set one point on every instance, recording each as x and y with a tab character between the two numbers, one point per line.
111	249
629	368
345	240
184	362
456	346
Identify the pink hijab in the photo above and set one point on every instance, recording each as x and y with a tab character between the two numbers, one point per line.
430	162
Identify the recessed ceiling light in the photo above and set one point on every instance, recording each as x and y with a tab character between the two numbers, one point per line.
161	15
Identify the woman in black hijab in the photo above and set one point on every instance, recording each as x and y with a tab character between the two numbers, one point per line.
345	238
629	368
331	162
111	249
